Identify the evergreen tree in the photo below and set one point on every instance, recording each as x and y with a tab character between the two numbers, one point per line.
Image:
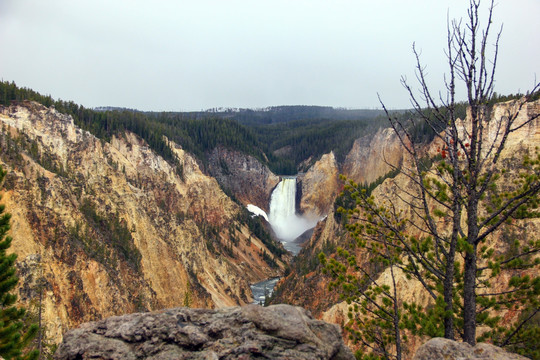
13	338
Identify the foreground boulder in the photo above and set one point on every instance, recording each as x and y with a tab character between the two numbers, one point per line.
439	348
249	332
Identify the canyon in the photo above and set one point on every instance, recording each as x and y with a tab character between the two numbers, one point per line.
105	227
108	227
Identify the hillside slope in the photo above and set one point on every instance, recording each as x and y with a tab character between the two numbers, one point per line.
306	276
112	228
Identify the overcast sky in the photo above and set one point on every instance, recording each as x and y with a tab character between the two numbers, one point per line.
192	55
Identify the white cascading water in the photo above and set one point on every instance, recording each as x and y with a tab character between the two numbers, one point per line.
283	218
287	226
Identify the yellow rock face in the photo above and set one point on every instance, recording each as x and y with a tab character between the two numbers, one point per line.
373	156
320	186
83	209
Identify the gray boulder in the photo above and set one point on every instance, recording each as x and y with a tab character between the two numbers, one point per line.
249	332
439	348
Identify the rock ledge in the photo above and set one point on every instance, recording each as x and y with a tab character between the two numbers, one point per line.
249	332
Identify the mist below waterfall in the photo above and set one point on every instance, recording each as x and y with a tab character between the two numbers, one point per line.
285	222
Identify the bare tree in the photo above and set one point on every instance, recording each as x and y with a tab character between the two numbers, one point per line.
470	166
462	196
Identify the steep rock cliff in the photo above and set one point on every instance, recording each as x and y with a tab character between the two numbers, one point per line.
319	187
111	228
373	156
244	176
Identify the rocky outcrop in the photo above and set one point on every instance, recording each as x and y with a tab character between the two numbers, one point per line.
250	332
319	185
243	175
440	348
373	156
110	228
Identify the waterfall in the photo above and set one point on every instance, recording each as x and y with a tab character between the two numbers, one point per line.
283	207
286	224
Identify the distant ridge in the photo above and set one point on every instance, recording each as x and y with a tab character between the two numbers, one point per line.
281	114
114	108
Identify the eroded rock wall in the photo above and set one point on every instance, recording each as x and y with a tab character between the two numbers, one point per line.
112	228
373	156
305	285
319	186
243	175
398	193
